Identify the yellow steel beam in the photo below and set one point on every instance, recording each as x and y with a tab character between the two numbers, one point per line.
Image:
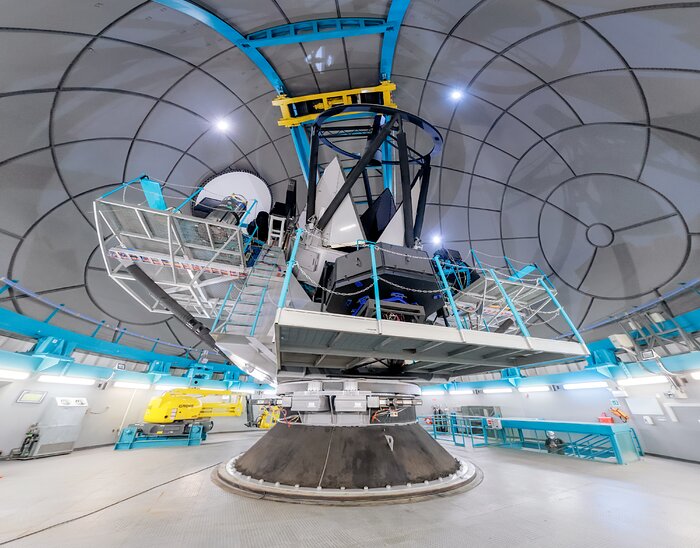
297	110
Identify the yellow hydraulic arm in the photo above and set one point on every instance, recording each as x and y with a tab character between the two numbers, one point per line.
182	404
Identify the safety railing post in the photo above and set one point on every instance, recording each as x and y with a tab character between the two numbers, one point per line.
242	222
563	313
290	267
375	282
511	305
97	329
221	308
55	311
448	291
257	312
510	266
178	208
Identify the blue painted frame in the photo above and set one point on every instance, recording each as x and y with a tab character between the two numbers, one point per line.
397	11
231	34
316	29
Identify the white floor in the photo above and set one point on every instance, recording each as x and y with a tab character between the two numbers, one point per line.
165	497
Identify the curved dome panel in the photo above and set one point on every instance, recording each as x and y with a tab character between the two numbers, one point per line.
575	142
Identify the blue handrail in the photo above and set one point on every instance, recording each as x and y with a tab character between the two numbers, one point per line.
447	290
375	280
290	267
99	323
511	305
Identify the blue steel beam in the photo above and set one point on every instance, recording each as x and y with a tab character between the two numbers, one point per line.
29	327
316	29
231	34
303	148
397	11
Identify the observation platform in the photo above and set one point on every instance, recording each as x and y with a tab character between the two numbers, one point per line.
486	313
310	339
201	263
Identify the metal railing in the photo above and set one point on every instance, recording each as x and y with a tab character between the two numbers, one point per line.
479	298
98	324
588	441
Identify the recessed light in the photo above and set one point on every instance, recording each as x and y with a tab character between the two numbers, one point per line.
456	94
535	388
9	374
497	390
56	379
638	381
223	125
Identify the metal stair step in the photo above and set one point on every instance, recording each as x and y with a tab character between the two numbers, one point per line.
256	275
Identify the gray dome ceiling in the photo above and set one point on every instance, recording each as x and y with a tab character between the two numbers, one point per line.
576	143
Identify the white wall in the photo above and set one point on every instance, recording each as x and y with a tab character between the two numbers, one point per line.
107	411
673	439
565	405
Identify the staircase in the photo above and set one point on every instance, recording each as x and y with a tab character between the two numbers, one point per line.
244	314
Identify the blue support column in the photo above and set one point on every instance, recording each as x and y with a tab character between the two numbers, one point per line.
446	289
397	10
375	282
247	212
189	198
290	267
477	262
303	148
563	313
511	305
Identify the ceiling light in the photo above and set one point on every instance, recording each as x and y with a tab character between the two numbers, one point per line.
456	94
437	239
581	385
135	385
246	390
638	381
432	391
56	379
497	390
269	392
535	388
461	392
10	375
222	125
696	375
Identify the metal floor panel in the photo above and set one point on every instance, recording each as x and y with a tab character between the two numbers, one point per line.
526	500
307	338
